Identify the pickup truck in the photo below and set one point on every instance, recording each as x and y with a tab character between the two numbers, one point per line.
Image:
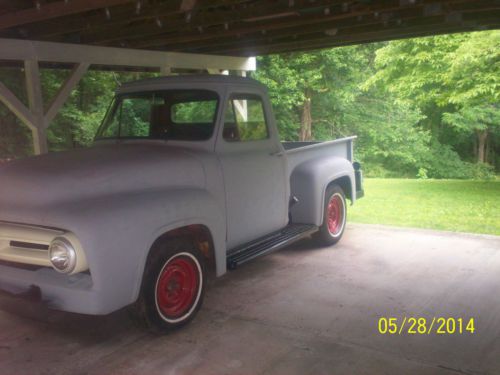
187	177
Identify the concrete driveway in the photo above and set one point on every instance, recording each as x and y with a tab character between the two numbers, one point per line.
302	310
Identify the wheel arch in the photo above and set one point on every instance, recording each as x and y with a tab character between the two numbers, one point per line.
345	184
310	181
204	239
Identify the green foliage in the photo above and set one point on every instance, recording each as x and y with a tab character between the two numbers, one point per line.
454	80
469	118
330	77
473	77
413	69
442	162
387	134
422	173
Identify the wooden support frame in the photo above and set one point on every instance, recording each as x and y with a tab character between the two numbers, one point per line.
31	52
34	116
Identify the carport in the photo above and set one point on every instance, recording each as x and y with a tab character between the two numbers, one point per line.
302	310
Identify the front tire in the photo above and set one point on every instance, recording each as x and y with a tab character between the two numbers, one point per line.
334	216
173	286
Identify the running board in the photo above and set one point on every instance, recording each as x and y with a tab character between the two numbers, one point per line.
268	244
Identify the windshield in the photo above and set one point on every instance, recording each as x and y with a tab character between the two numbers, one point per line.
187	115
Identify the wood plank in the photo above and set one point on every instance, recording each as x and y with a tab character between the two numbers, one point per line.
16	106
293	22
120	16
53	10
206	19
367	37
320	26
12	49
407	18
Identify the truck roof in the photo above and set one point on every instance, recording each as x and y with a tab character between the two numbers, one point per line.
195	80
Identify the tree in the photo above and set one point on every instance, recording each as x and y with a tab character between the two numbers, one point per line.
297	81
454	79
473	80
479	119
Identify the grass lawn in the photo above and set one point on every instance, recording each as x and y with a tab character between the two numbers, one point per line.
455	205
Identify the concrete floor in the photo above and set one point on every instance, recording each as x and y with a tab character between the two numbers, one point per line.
302	310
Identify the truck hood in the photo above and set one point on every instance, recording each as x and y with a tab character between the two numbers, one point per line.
97	171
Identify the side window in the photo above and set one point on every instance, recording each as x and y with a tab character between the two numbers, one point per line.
244	119
134	117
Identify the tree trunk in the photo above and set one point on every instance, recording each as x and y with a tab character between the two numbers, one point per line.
487	153
306	119
474	148
482	136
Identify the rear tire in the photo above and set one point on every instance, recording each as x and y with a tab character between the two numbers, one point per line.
173	286
334	216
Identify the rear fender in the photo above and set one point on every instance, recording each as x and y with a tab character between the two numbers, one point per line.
309	182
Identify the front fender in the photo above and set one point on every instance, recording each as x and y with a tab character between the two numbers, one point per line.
117	232
308	182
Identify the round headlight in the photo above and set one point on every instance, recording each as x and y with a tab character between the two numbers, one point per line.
62	255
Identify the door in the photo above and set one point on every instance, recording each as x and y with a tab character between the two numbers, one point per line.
254	170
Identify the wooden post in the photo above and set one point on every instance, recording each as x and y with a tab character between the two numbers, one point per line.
35	99
241	106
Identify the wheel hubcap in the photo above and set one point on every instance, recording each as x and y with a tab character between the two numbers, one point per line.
177	287
335	215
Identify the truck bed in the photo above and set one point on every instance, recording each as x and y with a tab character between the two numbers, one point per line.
300	152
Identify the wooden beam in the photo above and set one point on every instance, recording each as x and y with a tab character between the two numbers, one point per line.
35	98
14	49
64	92
39	138
54	9
16	106
33	86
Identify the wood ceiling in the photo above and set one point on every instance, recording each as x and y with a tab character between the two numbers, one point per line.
239	27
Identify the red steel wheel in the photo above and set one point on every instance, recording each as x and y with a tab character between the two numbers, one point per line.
335	213
178	286
334	216
173	286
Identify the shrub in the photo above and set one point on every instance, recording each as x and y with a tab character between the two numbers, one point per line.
482	171
443	162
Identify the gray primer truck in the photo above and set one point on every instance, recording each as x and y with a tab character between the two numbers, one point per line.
187	176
